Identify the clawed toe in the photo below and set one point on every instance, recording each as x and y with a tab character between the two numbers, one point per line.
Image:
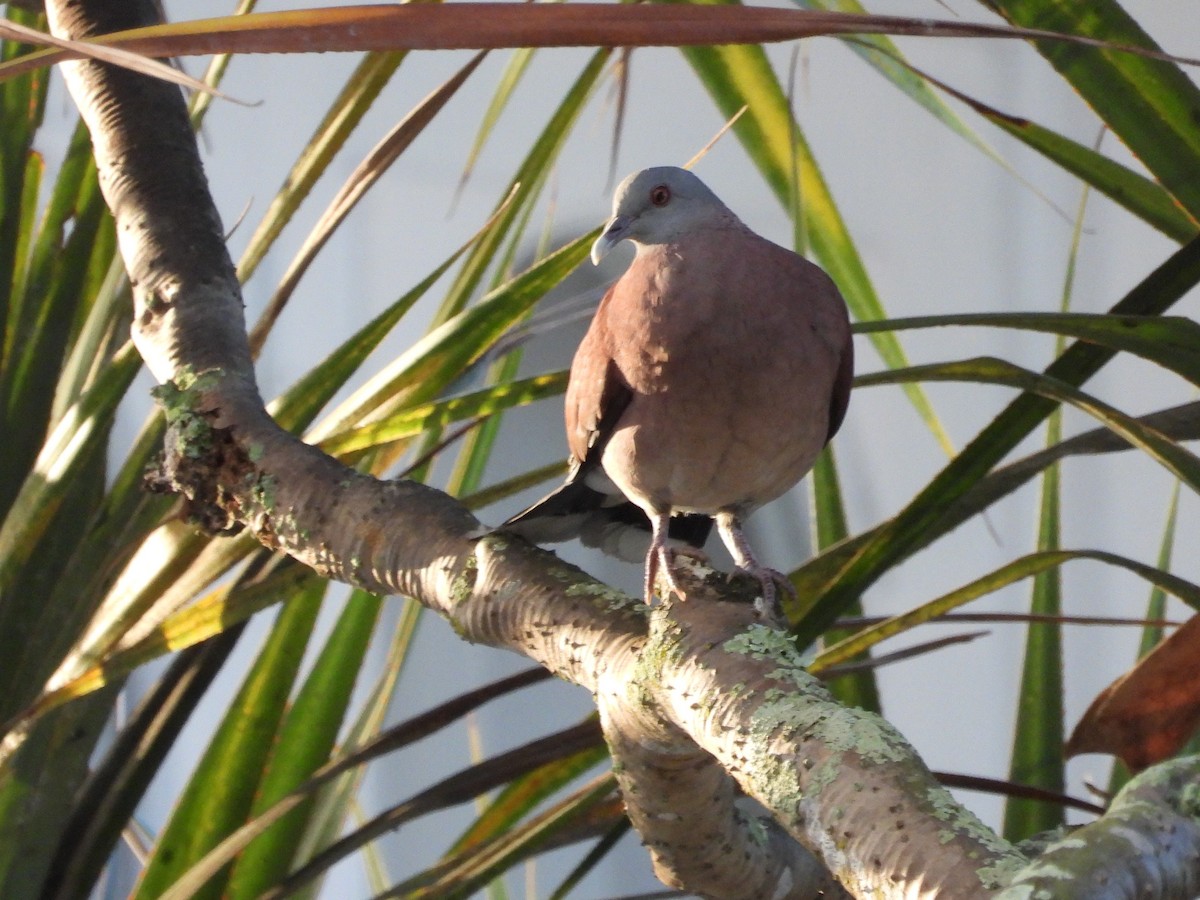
668	557
784	582
661	558
767	603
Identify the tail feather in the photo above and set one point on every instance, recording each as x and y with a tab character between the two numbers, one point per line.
609	522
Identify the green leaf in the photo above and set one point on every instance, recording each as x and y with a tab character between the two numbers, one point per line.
1038	759
114	788
1037	749
412	421
301	403
476	447
518	63
1142	196
22	104
451	791
593	858
882	54
505	489
1175	458
524	188
1149	104
106	324
201	101
78	439
858	688
343	116
219	794
305	743
335	779
38	788
466	872
1170	341
1010	573
51	303
838	580
90	668
523	795
366	174
1156	609
333	802
26	207
446	353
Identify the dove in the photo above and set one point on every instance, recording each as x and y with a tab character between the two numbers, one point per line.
713	373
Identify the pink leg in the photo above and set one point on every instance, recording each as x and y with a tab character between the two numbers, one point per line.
660	554
730	529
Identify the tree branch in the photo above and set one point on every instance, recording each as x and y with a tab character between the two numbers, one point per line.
740	691
1146	845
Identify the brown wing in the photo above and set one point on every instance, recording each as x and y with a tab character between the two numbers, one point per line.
841	389
597	394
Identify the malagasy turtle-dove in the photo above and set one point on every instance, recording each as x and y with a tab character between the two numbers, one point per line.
712	375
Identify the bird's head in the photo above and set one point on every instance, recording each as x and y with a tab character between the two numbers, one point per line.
658	205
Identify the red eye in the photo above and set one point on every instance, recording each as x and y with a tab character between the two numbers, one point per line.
661	195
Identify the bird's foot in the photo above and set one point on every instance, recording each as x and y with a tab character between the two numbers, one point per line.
671	555
767	604
664	561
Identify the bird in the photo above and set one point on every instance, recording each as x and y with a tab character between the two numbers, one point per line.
715	370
